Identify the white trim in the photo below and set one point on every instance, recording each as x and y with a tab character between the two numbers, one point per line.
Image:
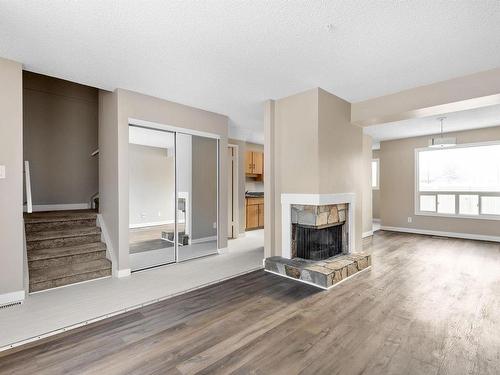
170	128
235	182
27	182
121	311
467	236
12	297
316	285
377	186
152	224
122	273
367	234
204	239
316	200
110	253
58	207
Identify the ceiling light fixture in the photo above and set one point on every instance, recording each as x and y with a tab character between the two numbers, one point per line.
440	142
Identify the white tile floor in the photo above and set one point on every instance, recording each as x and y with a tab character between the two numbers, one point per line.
48	312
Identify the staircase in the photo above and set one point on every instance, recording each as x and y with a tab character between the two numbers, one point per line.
64	247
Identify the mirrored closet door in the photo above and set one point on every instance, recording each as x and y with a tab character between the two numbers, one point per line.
173	197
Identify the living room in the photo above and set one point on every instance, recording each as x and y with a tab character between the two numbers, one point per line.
249	187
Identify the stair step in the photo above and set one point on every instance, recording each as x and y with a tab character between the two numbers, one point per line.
56	252
51	277
36	287
62	238
53	216
61	256
65	233
58	220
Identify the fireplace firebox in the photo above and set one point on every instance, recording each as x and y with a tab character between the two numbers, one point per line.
319	231
317	243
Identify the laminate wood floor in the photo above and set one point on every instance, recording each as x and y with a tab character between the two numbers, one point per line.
428	306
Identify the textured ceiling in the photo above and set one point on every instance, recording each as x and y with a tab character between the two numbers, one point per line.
229	56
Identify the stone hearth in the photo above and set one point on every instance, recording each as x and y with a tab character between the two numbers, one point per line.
324	274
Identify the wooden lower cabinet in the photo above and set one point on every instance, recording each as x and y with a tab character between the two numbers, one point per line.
254	213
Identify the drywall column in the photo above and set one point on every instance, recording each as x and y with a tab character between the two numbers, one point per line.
108	178
11	186
367	186
311	147
269	178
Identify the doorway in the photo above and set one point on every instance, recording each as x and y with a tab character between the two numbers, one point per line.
233	227
173	196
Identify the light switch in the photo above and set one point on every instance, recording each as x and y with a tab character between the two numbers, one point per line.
2	171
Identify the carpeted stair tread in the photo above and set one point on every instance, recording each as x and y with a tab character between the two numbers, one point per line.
54	216
65	233
36	287
56	252
70	270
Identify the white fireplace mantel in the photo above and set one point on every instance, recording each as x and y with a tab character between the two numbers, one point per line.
316	200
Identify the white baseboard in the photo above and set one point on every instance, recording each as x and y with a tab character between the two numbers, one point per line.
367	234
59	207
151	224
12	297
467	236
122	273
204	239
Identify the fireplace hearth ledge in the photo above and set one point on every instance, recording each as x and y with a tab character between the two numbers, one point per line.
323	274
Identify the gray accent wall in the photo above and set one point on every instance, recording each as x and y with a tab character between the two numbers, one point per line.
11	187
60	133
204	179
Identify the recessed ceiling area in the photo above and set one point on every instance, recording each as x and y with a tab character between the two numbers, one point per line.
230	56
463	120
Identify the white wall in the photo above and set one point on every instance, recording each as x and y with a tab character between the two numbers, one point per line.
123	106
11	187
152	185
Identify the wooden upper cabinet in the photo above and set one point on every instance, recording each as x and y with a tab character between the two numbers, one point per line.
249	162
254	163
258	162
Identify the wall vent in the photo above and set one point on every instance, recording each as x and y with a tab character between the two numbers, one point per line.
10	304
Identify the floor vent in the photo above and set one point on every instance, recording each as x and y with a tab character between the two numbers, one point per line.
10	304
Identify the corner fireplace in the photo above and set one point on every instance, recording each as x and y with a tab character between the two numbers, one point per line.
318	232
317	226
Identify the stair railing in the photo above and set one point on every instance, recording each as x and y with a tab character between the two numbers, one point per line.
27	179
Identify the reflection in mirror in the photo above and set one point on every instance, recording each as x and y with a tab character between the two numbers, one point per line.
197	159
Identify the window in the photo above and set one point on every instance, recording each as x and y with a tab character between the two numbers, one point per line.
459	181
375	174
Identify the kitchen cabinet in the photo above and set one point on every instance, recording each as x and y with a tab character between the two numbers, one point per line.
254	164
254	213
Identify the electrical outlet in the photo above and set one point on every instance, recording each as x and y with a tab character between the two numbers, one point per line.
2	171
410	219
215	225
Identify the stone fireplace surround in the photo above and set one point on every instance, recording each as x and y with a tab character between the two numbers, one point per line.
326	273
289	200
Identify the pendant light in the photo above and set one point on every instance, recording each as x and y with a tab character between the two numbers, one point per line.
440	142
